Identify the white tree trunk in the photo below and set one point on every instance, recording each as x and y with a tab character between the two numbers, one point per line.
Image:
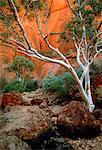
85	95
92	106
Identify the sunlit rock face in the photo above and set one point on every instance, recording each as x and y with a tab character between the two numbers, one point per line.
60	14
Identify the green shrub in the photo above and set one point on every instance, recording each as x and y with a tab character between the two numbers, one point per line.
63	84
52	83
14	85
22	68
30	85
69	82
19	86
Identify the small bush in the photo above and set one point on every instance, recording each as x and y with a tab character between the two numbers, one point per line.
52	83
14	85
19	86
69	82
63	84
30	85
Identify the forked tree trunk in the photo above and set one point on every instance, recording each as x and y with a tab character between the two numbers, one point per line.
86	95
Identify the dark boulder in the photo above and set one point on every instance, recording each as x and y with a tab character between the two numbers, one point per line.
76	121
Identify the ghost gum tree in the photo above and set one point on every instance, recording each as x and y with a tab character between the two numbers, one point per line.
85	33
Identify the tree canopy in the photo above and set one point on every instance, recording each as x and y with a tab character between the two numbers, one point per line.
22	66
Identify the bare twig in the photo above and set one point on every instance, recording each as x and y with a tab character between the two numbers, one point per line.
27	9
75	13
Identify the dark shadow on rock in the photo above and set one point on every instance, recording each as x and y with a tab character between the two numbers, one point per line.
86	132
78	122
51	140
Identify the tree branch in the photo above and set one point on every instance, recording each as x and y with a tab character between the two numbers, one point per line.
48	43
27	9
14	10
68	1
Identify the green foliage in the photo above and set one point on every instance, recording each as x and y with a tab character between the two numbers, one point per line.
89	10
21	66
17	5
96	6
53	84
3	3
35	5
7	29
63	36
30	85
18	86
24	3
14	85
96	68
62	84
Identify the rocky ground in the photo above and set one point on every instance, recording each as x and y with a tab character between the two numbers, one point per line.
34	121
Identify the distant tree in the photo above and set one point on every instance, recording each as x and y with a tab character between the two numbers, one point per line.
22	67
84	31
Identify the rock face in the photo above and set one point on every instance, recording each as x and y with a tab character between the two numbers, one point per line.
27	122
11	99
77	121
